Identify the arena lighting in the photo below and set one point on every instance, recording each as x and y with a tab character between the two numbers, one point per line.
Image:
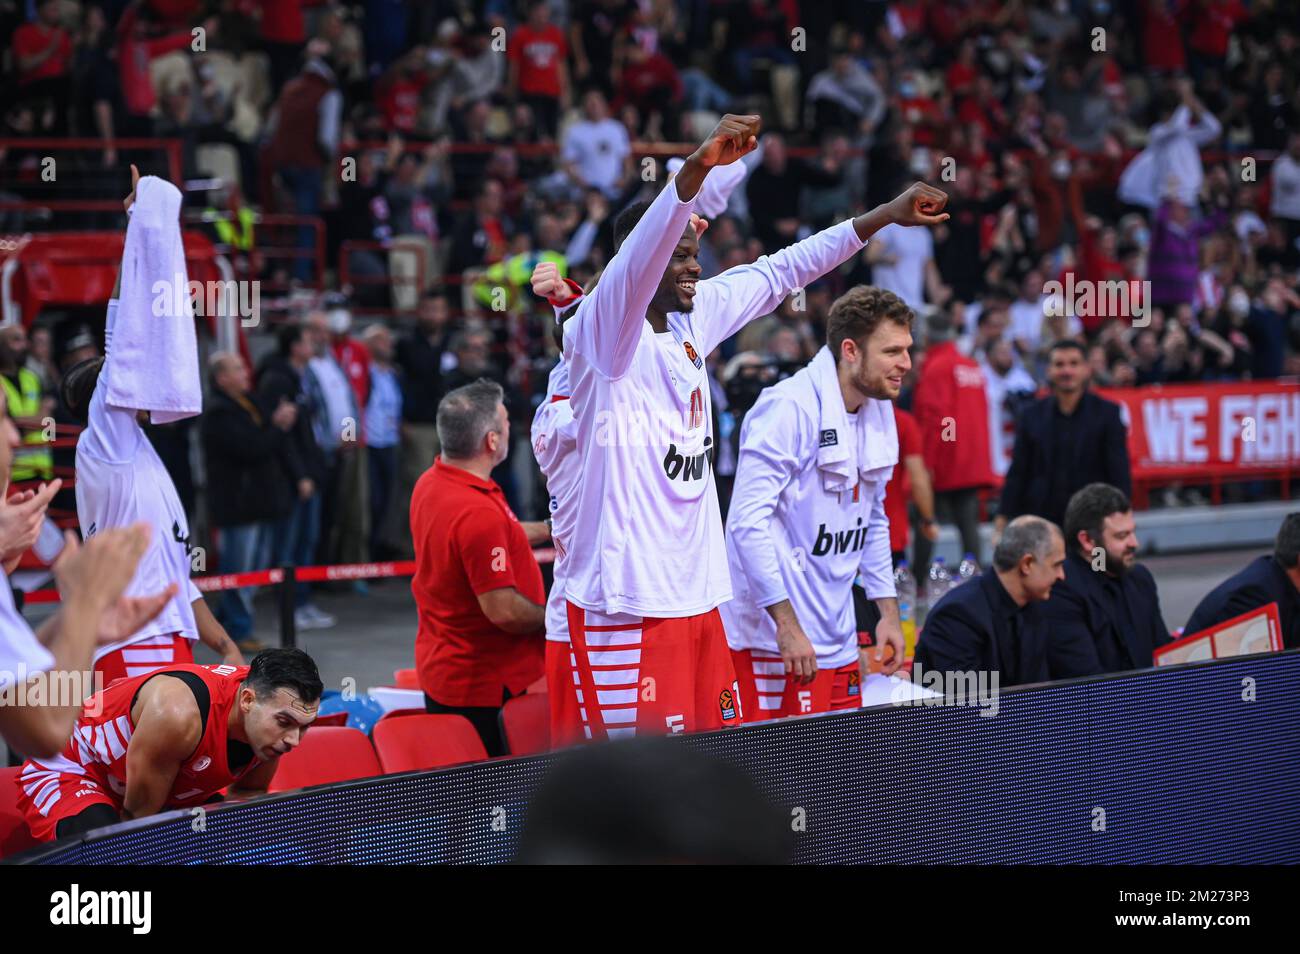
1167	757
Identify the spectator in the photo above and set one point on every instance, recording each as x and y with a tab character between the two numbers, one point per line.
902	260
383	421
1284	203
1273	578
28	404
304	139
596	153
845	96
650	84
1105	615
993	623
247	494
1175	252
1065	441
42	52
481	237
952	412
538	72
477	586
282	377
136	50
1172	161
1007	387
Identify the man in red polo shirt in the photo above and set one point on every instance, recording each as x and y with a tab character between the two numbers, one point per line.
477	586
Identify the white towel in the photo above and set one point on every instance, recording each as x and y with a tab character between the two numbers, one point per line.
155	360
867	451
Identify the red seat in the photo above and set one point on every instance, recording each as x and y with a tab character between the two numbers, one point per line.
332	718
15	836
395	713
418	742
406	679
327	754
526	724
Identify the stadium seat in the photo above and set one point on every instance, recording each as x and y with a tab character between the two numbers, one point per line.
526	724
395	713
14	834
327	754
330	718
421	742
406	679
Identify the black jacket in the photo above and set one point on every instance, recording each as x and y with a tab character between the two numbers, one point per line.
1098	452
971	629
1263	581
1101	623
245	484
300	454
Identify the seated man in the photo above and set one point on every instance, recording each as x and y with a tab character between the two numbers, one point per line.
1105	616
991	622
172	739
1274	578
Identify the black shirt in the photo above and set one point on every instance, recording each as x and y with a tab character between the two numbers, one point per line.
420	359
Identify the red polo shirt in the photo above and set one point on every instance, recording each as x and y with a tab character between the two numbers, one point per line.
467	542
899	490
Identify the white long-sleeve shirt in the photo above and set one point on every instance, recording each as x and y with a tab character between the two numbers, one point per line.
647	536
555	438
788	538
122	481
1171	161
21	653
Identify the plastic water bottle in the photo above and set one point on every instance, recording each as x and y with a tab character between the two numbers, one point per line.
940	582
905	584
968	568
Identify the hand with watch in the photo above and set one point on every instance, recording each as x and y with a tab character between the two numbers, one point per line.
929	528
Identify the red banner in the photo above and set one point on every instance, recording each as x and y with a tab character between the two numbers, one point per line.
1188	431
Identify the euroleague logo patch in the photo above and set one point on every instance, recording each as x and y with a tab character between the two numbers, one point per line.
829	438
692	354
855	683
727	703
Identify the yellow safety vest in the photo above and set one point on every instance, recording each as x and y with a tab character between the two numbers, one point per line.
241	239
35	462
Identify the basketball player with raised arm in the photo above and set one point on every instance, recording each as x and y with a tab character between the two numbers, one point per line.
122	481
647	563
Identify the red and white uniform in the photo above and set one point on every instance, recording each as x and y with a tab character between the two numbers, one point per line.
121	481
554	436
791	538
92	767
646	548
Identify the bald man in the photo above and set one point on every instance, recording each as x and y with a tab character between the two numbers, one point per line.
994	622
246	489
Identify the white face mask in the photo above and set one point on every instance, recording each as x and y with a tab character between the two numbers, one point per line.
1239	304
340	320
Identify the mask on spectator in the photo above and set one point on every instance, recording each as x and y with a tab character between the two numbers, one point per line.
1239	304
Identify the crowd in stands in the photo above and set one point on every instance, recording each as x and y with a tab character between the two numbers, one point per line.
455	145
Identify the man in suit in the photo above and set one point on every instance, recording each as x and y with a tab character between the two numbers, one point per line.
1266	579
992	622
1064	441
1105	616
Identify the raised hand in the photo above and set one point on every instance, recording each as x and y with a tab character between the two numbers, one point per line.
920	205
734	137
547	282
135	182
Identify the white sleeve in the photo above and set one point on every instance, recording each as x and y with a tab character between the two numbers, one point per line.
607	327
112	433
769	460
739	295
193	593
877	566
1207	130
21	653
718	186
1177	123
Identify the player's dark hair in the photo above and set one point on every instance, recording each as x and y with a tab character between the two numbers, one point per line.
1089	508
858	313
627	220
1287	546
78	387
1067	344
274	669
651	801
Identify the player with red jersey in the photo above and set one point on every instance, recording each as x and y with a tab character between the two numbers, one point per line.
172	739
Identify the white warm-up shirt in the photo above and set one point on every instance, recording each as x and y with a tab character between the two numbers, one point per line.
555	438
21	653
122	481
789	538
647	535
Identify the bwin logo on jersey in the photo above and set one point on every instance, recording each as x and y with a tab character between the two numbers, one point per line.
688	468
842	541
